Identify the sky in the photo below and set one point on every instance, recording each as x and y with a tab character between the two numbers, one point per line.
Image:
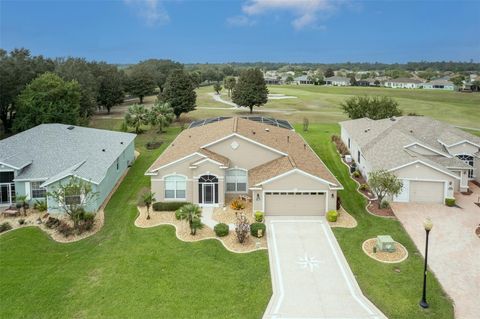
217	31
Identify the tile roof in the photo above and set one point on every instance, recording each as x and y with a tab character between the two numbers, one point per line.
51	149
300	155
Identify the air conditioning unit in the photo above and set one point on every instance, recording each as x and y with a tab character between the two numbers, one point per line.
348	158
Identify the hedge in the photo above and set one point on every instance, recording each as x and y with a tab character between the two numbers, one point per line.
168	206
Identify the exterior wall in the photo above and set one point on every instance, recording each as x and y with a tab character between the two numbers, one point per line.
444	87
400	85
241	157
476	164
363	166
158	187
53	206
464	148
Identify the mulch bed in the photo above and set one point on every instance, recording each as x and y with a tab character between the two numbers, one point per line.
399	255
383	212
476	183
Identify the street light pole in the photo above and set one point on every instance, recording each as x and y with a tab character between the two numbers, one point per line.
427	224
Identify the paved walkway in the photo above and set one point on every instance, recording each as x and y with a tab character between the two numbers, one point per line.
454	249
310	276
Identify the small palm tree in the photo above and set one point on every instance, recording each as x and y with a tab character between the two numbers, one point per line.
161	115
136	116
192	214
148	198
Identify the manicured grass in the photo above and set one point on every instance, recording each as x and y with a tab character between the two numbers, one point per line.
127	272
322	104
394	288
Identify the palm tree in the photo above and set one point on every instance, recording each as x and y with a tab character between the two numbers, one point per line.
136	116
148	198
192	214
161	115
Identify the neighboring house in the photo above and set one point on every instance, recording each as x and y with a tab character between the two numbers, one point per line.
272	80
366	82
337	81
439	84
403	83
432	158
34	162
263	158
304	79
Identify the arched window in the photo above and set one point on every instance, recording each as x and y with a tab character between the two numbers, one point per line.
208	189
236	180
208	179
467	159
175	187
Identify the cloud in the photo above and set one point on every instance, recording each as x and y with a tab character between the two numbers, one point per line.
151	11
240	21
306	12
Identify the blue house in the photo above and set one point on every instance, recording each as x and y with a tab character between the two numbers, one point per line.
36	161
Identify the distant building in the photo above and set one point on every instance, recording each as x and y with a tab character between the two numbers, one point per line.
337	81
304	79
366	82
439	84
403	83
272	80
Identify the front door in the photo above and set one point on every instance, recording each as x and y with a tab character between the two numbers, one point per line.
5	194
208	194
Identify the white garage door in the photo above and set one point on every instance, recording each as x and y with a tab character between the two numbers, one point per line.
427	192
294	203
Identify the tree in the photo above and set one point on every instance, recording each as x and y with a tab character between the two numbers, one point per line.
329	73
375	108
161	115
148	198
289	79
110	90
140	82
160	70
72	196
458	80
17	69
179	92
196	78
250	89
136	116
353	80
192	214
229	83
383	183
217	87
47	99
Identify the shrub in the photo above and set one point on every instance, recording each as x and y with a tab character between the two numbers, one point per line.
356	174
168	206
255	227
242	228
363	187
384	204
178	214
332	215
21	221
65	229
450	202
237	204
5	226
221	229
52	222
40	205
259	216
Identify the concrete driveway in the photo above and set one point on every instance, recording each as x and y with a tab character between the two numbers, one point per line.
454	252
310	276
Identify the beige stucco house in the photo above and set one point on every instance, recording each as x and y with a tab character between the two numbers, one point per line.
433	159
265	159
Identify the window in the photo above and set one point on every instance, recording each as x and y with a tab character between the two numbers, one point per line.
175	187
236	180
37	191
467	159
72	197
358	157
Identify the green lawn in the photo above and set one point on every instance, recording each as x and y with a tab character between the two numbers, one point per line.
322	104
127	272
395	288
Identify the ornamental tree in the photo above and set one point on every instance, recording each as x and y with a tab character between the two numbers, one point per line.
383	183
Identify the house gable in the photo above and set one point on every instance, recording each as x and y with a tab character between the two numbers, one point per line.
295	180
422	171
465	147
243	152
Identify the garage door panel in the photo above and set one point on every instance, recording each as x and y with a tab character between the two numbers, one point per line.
295	203
427	192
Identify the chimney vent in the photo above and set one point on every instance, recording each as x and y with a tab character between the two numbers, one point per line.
103	150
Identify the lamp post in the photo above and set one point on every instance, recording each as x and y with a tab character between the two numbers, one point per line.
427	224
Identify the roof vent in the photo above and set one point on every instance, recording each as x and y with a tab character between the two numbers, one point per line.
367	130
253	132
121	143
411	131
103	150
70	127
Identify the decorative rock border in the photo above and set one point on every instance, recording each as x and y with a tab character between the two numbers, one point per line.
182	232
401	252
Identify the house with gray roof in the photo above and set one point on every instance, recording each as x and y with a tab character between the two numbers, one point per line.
303	79
433	159
337	81
34	162
439	84
403	83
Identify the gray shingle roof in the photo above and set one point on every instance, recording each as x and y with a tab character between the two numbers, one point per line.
49	151
338	79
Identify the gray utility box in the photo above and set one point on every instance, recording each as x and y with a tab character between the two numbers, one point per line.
385	243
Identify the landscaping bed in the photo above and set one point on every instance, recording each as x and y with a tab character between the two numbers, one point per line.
344	220
228	215
382	212
399	255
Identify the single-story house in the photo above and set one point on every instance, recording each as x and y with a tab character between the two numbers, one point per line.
367	82
337	81
34	162
264	159
439	84
304	79
403	83
433	159
272	80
